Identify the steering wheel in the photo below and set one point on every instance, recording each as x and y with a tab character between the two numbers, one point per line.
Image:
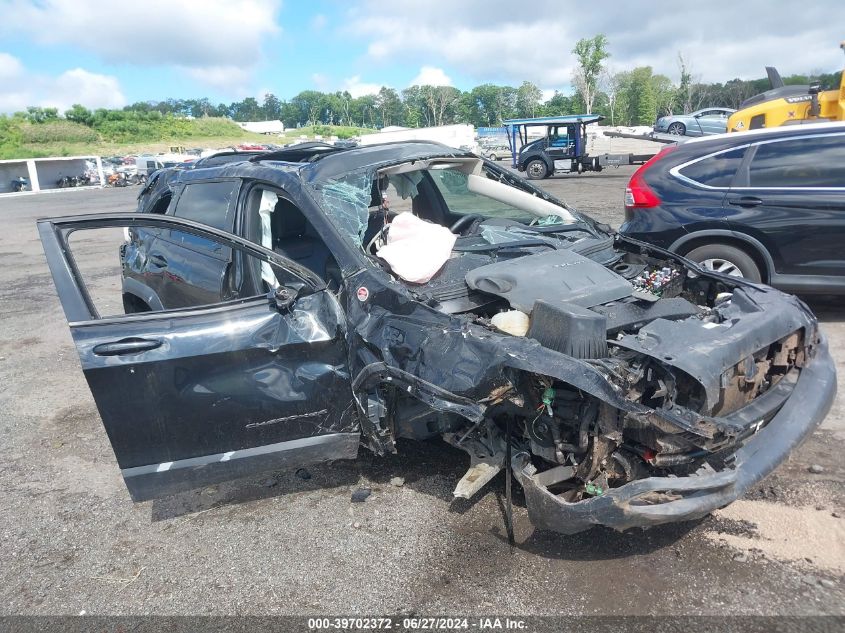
464	221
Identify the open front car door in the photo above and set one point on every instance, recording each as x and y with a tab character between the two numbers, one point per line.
236	372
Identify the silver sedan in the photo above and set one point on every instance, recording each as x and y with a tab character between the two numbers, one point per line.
698	123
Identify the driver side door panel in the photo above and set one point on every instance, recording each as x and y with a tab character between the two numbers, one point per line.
204	394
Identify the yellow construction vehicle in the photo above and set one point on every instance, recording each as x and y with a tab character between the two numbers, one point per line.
789	105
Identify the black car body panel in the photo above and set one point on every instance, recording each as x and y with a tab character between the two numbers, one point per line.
599	402
781	199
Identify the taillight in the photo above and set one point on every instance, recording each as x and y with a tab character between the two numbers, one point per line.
638	195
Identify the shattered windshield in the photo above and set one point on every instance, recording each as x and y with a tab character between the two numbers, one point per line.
347	201
447	194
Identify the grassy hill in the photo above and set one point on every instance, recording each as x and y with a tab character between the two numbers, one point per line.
20	138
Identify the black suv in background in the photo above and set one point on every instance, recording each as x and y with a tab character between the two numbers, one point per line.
768	205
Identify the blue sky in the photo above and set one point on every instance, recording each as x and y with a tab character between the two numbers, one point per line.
58	52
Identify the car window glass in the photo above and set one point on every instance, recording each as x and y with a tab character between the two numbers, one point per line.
452	185
399	193
715	171
805	162
160	205
209	203
125	272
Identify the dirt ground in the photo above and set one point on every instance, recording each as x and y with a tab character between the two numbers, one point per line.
74	542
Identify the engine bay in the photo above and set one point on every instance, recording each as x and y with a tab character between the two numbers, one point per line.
600	360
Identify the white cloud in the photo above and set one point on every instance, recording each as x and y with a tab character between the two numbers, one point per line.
205	37
431	76
10	67
318	22
720	39
321	81
357	88
226	78
22	88
13	101
80	86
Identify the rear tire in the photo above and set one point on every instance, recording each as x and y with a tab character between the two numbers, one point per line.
725	259
536	169
677	128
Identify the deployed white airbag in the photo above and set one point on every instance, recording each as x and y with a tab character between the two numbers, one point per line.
416	249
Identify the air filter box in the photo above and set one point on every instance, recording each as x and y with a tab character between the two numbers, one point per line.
569	329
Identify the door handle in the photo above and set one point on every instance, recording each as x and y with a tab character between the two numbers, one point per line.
746	201
158	260
126	346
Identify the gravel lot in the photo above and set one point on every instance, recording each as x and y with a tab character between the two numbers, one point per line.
75	542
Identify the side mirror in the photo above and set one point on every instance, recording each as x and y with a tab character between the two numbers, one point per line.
698	116
284	297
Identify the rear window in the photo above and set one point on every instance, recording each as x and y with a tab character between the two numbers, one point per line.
804	162
207	203
715	171
210	203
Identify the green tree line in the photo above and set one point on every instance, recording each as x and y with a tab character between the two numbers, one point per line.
626	97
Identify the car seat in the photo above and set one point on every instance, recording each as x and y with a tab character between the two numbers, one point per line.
292	240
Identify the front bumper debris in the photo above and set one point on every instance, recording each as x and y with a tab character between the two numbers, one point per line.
657	500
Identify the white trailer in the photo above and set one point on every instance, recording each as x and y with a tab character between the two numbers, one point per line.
458	136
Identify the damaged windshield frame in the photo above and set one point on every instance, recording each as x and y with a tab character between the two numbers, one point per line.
349	199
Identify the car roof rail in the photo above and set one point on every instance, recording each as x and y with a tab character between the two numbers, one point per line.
300	153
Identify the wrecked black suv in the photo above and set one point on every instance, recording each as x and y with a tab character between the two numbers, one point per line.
260	324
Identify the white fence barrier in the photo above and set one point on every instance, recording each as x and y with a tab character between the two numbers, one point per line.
44	174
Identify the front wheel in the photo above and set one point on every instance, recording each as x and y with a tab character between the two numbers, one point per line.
536	169
727	260
677	128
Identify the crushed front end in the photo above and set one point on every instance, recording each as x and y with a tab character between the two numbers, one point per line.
728	393
631	387
651	392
